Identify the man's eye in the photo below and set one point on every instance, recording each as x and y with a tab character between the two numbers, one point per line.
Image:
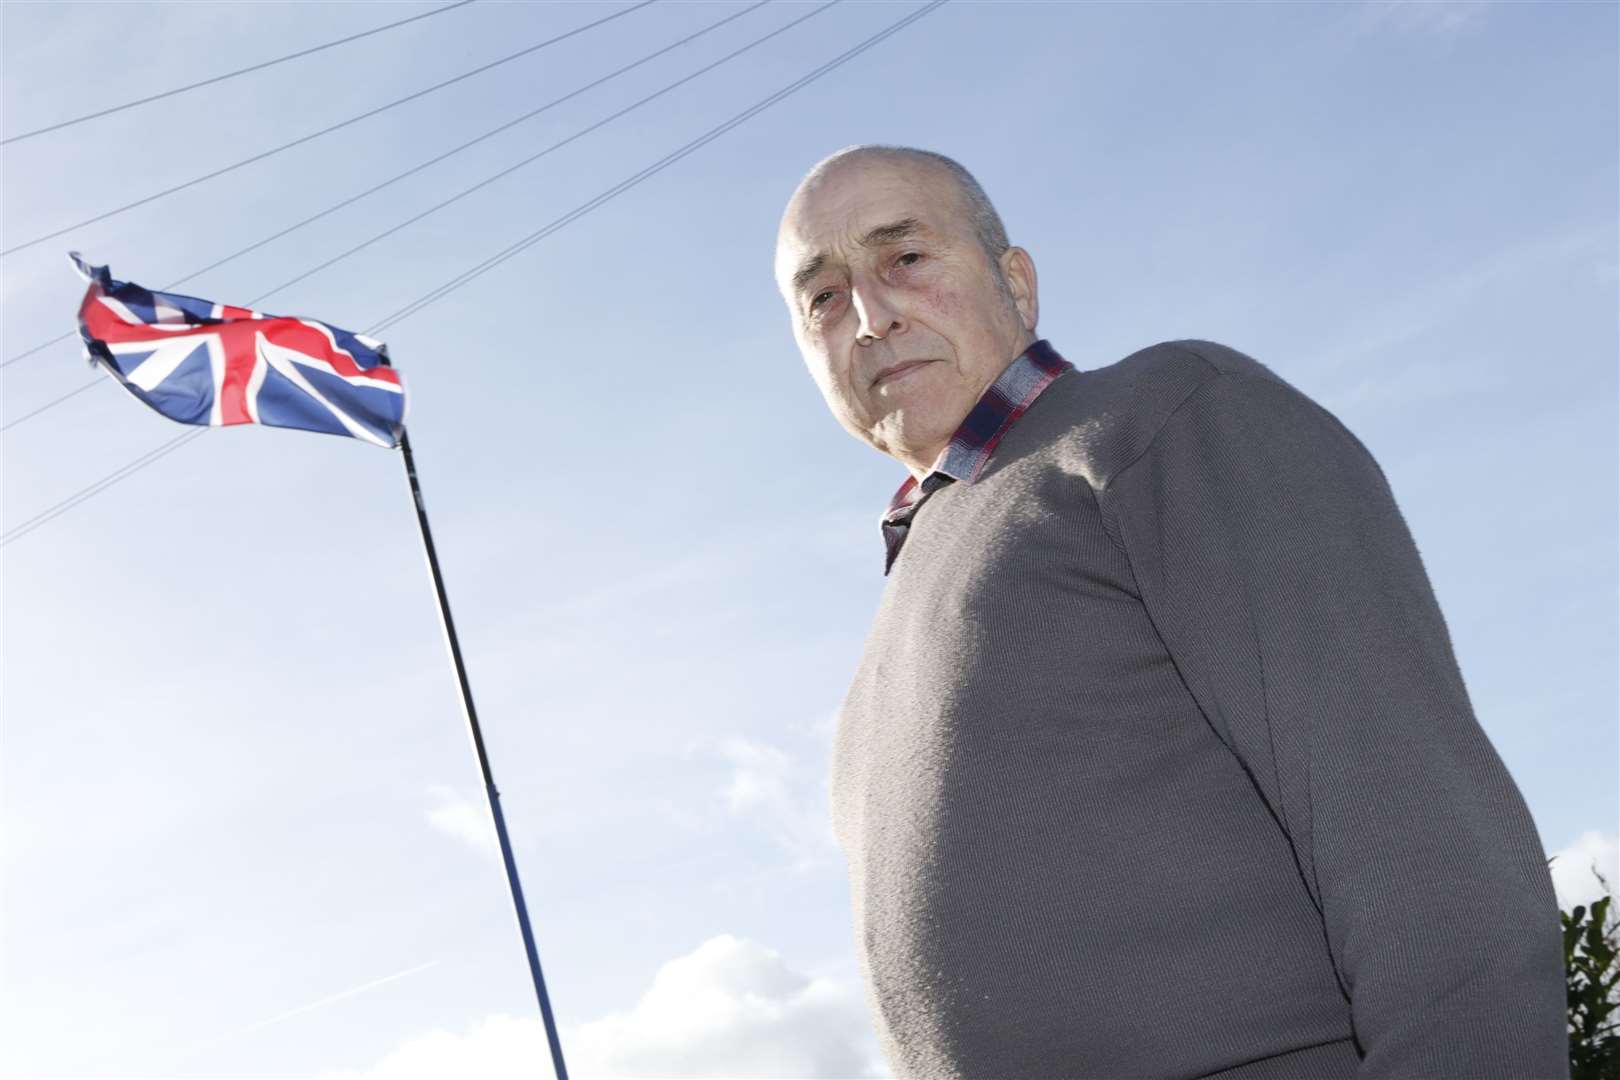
908	258
819	298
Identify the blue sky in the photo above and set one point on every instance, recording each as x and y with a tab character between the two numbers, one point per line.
243	832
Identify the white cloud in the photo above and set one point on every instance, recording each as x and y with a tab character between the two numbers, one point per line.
731	1007
1573	879
785	794
494	1048
465	819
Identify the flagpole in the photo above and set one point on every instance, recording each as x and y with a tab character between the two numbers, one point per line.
483	760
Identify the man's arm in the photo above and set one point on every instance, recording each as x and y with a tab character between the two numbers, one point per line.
1282	577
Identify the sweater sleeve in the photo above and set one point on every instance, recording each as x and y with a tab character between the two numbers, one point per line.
1274	562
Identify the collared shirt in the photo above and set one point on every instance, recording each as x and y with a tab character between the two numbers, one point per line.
969	450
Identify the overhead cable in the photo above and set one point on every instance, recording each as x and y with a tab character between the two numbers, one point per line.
326	130
625	185
51	404
92	490
532	158
150	456
413	170
466	191
231	74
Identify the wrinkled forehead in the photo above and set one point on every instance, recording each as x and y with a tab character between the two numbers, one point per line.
829	216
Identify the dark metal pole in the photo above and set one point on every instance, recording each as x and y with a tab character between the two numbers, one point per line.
483	760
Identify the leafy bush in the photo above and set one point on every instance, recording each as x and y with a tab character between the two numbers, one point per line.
1591	944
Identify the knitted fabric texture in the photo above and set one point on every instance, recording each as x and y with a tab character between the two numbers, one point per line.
1158	763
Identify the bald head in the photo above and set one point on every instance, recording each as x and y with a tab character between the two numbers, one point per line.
907	300
971	201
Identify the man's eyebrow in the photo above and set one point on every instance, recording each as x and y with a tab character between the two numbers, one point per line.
811	267
882	234
888	234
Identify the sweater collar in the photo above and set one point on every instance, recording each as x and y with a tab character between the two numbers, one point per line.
969	449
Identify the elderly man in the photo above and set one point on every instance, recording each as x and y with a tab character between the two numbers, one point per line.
1158	762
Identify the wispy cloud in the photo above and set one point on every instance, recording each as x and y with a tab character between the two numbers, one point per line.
731	1007
758	778
330	999
467	819
1359	369
1434	18
784	793
666	598
1443	378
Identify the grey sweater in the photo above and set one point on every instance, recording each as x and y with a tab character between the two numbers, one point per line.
1158	763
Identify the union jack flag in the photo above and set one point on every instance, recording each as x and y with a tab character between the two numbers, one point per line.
211	364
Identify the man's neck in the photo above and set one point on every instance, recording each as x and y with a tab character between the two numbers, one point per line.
920	470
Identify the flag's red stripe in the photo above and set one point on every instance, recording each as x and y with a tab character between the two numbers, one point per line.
306	339
241	353
105	325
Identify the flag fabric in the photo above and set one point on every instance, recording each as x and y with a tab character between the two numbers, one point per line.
211	364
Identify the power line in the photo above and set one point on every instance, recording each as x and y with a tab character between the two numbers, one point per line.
26	353
531	159
101	485
625	185
231	74
553	103
326	130
468	191
400	176
51	404
461	279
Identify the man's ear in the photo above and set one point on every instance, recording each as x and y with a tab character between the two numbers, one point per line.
1019	270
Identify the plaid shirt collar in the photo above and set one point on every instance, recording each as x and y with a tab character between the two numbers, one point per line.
966	455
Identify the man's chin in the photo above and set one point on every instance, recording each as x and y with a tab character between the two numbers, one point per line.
915	434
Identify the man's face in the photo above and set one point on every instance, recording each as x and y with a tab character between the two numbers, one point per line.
880	266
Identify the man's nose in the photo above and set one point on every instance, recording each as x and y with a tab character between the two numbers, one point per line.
877	319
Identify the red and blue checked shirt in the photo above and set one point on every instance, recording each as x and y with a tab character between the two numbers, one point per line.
966	455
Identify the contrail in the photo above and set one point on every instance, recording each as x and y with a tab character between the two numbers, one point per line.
362	988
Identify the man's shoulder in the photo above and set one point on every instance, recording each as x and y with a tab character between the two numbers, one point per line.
1111	414
1190	361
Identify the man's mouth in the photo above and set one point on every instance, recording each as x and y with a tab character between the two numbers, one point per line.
894	370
